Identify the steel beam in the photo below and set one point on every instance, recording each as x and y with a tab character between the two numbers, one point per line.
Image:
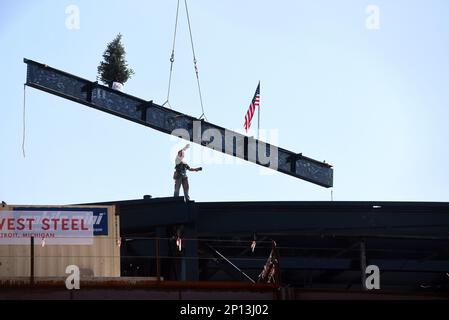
147	113
344	264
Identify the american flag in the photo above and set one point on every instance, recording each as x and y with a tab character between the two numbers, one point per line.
252	108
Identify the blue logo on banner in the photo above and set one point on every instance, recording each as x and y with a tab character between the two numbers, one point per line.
100	216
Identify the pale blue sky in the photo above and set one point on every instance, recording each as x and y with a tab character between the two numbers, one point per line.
373	103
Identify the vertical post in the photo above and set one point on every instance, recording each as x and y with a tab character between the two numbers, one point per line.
162	263
32	262
258	121
258	114
363	263
158	260
190	261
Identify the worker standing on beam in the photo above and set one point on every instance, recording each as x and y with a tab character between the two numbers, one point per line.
180	174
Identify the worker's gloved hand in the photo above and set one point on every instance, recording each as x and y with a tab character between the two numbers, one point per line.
199	169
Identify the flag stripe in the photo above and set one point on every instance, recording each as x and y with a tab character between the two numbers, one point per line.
252	108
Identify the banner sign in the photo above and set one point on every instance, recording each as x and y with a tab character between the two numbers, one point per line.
48	227
100	216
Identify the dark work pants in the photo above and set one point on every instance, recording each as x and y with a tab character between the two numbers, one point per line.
185	187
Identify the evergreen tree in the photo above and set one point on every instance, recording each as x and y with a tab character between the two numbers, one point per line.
114	68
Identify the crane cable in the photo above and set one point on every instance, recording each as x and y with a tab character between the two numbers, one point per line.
195	61
172	58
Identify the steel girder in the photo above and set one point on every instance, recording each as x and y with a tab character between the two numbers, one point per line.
147	113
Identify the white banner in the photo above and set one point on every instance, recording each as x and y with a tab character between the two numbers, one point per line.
47	227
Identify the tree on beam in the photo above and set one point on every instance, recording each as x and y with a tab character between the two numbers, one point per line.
114	68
